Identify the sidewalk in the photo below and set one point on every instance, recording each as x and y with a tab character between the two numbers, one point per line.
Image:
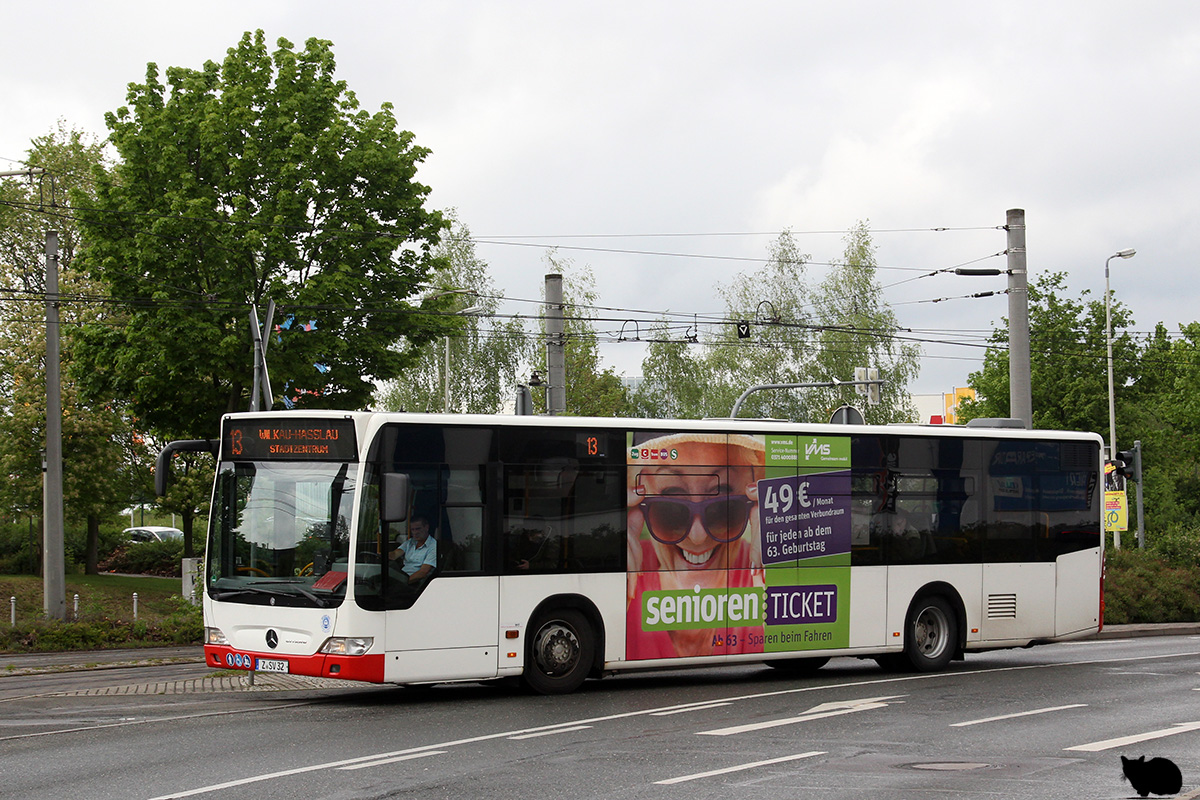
73	660
1149	629
207	679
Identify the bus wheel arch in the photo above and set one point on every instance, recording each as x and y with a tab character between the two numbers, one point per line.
934	628
564	644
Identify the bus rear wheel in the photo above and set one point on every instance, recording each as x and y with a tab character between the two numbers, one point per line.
931	638
560	653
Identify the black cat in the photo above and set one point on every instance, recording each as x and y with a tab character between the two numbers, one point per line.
1158	775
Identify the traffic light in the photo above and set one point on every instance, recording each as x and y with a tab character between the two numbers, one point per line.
868	390
1129	463
873	389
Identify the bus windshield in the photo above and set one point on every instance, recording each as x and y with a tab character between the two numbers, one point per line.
280	533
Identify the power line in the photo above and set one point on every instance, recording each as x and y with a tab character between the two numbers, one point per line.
669	254
740	233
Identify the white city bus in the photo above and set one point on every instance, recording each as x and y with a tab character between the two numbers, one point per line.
568	548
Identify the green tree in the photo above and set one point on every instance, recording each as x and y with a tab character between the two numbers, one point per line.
100	452
775	300
674	378
485	352
1067	358
1156	382
798	334
1162	410
252	180
856	328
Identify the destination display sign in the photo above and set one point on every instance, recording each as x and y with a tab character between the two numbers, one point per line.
289	439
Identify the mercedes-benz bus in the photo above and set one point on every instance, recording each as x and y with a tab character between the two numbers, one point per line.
425	548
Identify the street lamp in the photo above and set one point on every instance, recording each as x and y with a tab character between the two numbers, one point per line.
1112	406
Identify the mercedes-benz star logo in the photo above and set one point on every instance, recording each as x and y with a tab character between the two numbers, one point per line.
272	639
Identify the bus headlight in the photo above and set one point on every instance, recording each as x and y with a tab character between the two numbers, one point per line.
347	645
214	636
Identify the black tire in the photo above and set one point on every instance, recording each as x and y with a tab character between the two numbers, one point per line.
799	666
931	634
560	651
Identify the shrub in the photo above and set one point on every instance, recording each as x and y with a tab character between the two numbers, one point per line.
54	636
1144	586
147	558
1178	545
105	617
185	622
19	544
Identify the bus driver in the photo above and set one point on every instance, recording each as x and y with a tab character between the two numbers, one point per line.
418	552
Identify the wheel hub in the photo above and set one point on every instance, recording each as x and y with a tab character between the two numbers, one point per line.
557	649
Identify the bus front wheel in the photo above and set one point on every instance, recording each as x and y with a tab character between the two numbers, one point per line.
932	634
560	652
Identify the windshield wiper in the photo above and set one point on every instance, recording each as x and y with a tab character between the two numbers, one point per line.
318	601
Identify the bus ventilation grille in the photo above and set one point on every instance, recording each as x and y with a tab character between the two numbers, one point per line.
1002	606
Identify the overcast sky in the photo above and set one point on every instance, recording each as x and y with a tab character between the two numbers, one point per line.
659	125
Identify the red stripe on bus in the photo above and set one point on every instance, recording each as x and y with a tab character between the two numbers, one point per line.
348	668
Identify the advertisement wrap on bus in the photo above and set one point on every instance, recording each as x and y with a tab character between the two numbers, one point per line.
754	532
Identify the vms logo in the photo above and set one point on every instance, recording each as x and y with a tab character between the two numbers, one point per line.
817	449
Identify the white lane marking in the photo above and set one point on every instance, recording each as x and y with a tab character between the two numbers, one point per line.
891	679
835	709
694	708
551	733
127	722
738	768
1108	744
1017	714
383	761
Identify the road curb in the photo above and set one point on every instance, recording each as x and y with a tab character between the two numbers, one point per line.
242	682
1138	630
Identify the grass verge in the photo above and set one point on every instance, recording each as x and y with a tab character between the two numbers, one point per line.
105	617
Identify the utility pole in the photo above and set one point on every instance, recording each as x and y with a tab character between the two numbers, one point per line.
54	581
259	337
556	371
1020	384
1137	470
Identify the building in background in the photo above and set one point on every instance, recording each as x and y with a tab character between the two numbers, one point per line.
938	409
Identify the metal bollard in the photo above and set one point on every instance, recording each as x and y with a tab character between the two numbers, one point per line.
12	603
76	617
135	605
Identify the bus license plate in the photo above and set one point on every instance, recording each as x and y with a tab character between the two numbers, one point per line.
271	665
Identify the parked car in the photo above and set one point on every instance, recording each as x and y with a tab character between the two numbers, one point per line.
153	533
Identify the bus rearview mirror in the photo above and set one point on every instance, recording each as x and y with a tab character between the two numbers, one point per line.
393	504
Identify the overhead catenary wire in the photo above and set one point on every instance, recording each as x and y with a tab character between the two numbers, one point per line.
66	211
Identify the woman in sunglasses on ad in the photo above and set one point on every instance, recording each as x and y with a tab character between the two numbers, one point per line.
695	573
